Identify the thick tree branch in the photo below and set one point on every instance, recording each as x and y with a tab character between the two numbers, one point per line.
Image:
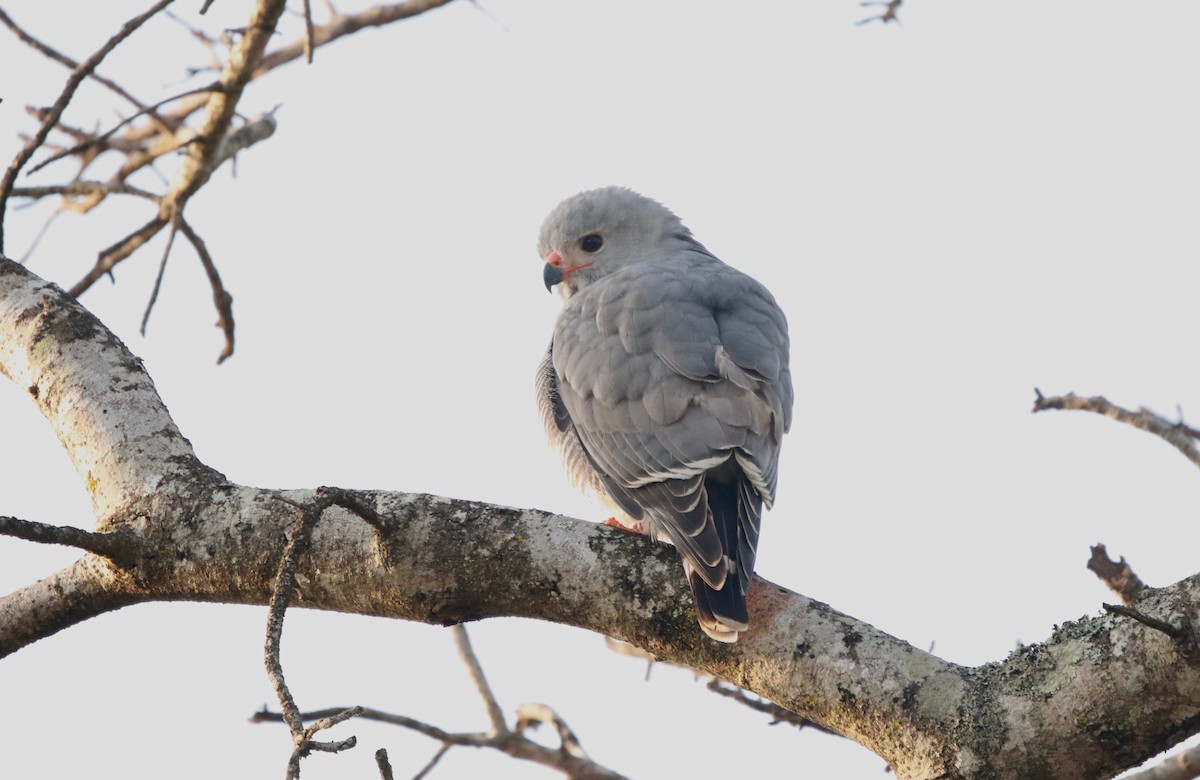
89	587
100	403
1066	702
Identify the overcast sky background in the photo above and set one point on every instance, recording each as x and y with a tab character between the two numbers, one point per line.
992	197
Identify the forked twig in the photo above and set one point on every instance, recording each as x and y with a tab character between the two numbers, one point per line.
76	78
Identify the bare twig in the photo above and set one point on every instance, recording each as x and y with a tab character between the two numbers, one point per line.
162	269
511	743
1177	435
221	297
1117	575
37	239
76	78
285	583
109	257
463	643
208	144
624	648
888	14
1158	625
92	140
385	766
479	7
308	32
78	188
365	713
569	758
425	770
120	547
62	59
718	686
532	714
778	714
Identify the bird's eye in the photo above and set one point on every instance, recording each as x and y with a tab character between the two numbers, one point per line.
591	243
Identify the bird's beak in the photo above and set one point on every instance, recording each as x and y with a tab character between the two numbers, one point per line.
553	273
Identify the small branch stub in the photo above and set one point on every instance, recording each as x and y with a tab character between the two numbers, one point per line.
1175	632
1117	575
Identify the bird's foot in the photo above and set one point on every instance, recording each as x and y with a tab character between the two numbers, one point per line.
632	526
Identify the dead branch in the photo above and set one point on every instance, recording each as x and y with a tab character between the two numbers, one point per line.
285	583
222	300
1178	435
109	257
466	653
76	78
569	758
431	763
1175	632
63	59
1117	575
533	714
91	140
82	188
197	122
162	269
340	26
385	766
889	13
120	547
758	704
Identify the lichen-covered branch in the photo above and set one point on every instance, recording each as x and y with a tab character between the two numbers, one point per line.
94	393
443	561
120	547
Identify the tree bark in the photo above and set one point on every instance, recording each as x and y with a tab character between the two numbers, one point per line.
1100	695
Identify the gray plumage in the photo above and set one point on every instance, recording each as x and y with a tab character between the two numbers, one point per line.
666	387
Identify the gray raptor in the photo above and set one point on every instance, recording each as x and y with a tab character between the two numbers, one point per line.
666	387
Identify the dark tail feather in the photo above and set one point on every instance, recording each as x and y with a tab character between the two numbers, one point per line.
736	508
721	613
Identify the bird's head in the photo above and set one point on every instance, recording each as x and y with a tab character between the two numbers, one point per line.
595	233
